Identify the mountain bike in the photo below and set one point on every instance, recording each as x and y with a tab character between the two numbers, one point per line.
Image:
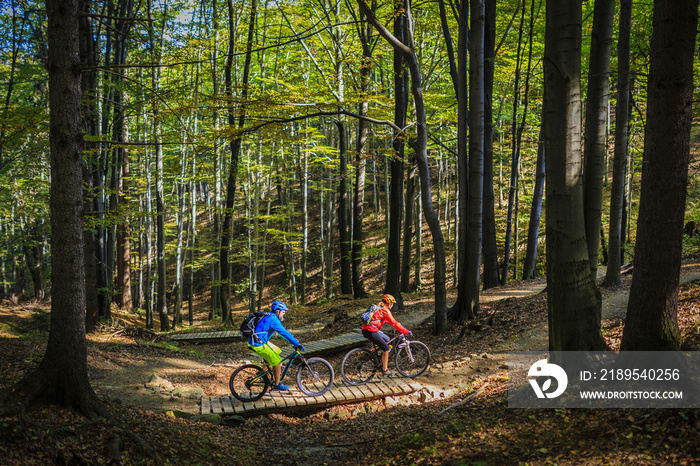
314	377
411	358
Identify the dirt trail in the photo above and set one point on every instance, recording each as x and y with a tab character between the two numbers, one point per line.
128	380
614	307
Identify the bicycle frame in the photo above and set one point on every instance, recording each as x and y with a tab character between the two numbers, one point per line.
291	358
392	347
412	358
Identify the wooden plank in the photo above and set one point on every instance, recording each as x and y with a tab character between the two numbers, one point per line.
325	399
247	407
257	405
205	406
397	389
345	392
216	406
226	404
303	400
362	392
238	409
382	389
222	405
283	400
332	395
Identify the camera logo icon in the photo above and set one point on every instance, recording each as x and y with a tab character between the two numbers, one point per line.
542	368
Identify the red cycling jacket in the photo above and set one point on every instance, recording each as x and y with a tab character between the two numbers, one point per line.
381	317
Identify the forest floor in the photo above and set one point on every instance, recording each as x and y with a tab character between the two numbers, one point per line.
141	376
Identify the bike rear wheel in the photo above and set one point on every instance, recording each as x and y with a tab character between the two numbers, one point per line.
249	382
359	366
412	358
315	377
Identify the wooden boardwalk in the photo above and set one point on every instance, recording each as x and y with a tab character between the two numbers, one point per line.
337	343
208	337
275	401
340	393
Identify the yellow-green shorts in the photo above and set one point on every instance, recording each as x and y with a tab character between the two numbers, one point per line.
269	352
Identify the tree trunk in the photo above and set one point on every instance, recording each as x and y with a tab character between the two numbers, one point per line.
62	376
358	211
617	191
515	155
236	142
458	73
476	161
574	301
652	322
395	211
422	158
533	231
32	255
215	304
343	227
305	226
595	139
490	277
124	239
365	33
122	296
408	234
161	302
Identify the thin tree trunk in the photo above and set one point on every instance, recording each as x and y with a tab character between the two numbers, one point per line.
305	226
410	203
343	228
476	161
90	57
365	33
530	264
161	302
517	138
227	233
460	83
617	190
215	305
595	147
490	277
423	166
397	166
418	260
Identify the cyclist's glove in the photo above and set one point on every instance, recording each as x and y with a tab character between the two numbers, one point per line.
410	334
299	347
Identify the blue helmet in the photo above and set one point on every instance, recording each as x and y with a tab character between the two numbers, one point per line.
278	306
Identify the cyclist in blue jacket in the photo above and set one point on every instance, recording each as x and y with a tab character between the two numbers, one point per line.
261	345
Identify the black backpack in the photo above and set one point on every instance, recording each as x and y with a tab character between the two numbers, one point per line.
249	323
368	314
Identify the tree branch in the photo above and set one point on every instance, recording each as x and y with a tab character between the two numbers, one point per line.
383	31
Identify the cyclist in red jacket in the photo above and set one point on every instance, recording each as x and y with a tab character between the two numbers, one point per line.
372	330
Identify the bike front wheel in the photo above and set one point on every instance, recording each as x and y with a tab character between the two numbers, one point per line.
315	376
412	358
249	382
358	366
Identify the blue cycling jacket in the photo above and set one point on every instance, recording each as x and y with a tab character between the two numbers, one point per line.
267	326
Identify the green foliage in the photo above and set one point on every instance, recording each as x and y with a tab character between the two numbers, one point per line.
307	60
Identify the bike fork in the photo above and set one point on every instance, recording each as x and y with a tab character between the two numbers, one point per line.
410	355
